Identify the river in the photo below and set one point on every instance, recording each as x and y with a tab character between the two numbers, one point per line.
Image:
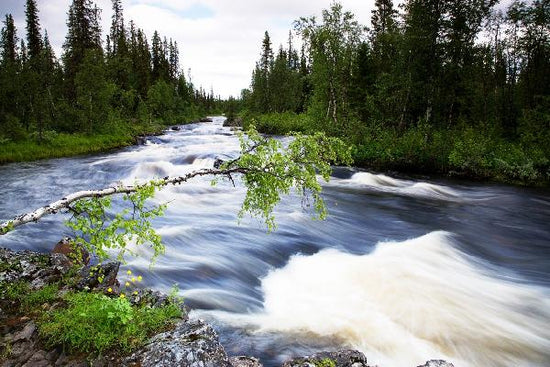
403	269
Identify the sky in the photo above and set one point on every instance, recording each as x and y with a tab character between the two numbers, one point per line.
219	40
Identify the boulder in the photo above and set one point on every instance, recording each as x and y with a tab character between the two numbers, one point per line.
100	276
205	119
244	361
189	344
74	251
437	363
342	358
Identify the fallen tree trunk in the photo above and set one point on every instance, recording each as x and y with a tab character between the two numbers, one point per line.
65	202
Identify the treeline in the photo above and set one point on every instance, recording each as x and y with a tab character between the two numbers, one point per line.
432	86
95	87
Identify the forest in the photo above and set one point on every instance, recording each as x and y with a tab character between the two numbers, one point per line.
97	95
460	87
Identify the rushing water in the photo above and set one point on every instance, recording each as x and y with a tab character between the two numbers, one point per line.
404	270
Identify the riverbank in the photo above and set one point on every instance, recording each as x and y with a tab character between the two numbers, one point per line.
474	154
57	311
57	145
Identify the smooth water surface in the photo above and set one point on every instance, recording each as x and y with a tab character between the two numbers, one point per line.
404	270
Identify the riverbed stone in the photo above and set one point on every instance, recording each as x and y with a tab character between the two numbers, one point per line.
244	361
437	363
342	358
189	344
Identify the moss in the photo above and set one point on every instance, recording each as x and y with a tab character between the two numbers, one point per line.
325	362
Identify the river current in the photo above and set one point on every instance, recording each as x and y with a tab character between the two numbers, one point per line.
403	269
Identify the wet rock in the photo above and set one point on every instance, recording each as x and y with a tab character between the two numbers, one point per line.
437	363
244	361
218	163
205	119
233	123
176	128
100	277
74	251
190	344
343	358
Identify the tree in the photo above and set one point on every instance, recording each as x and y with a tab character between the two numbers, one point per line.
332	46
260	78
83	34
9	41
34	36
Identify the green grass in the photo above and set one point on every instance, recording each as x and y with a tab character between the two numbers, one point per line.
96	324
57	145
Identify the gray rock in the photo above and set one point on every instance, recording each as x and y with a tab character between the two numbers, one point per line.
343	358
26	333
38	359
437	363
190	344
244	361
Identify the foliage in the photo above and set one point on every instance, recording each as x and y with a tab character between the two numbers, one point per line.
99	231
271	170
95	323
438	86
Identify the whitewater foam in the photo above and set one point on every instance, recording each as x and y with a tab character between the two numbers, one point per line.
408	302
385	183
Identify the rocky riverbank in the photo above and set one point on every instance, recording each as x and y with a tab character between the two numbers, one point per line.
183	342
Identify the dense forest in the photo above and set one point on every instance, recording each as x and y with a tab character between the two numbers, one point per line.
97	92
430	86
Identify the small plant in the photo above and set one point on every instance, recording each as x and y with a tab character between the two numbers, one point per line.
325	362
94	323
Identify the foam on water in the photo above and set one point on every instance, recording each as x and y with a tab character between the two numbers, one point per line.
385	183
408	302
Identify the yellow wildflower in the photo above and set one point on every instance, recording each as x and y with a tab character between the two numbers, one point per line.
129	272
136	292
110	290
122	295
133	279
127	284
140	278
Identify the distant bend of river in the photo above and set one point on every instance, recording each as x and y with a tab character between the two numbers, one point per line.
403	270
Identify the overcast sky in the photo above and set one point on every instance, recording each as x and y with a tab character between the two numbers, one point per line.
219	40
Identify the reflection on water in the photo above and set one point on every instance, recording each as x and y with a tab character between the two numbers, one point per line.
404	270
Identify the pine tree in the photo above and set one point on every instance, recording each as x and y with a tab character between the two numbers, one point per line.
9	41
83	34
34	37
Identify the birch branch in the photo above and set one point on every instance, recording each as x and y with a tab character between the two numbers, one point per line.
65	202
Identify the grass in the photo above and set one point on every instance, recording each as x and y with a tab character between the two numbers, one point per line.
94	323
56	145
86	322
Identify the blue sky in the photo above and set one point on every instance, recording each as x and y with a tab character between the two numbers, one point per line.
219	40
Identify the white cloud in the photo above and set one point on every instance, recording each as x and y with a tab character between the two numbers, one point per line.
221	49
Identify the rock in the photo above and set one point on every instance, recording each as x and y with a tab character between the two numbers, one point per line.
101	276
176	128
343	358
437	363
233	123
74	251
26	333
205	119
190	344
38	359
244	361
218	163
